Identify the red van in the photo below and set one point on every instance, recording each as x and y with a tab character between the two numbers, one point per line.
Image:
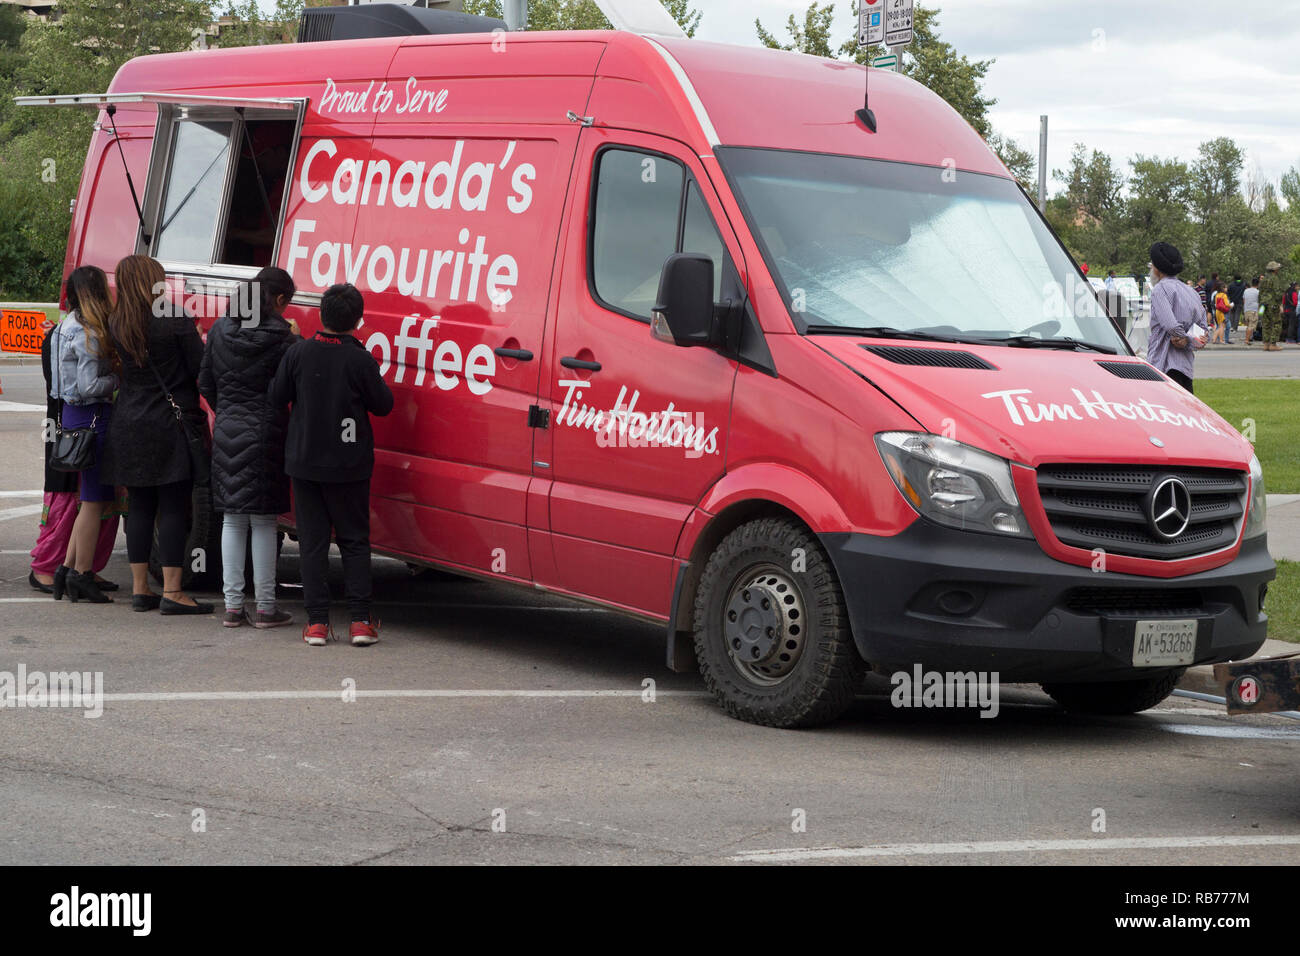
672	331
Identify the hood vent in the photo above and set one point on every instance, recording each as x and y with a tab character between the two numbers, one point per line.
1138	371
936	358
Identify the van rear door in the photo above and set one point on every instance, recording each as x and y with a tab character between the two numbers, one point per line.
638	427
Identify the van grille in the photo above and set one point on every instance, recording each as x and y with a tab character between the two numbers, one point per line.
1107	507
1134	600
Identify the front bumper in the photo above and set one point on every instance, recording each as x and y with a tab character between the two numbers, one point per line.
958	600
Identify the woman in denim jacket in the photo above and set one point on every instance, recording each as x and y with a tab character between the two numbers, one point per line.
82	360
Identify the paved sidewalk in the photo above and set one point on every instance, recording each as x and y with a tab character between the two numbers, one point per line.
1283	542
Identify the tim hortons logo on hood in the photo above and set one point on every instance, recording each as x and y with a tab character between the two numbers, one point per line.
1022	411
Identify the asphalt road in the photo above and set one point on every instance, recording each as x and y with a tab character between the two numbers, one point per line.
494	725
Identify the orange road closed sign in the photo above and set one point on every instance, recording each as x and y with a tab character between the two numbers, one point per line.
20	330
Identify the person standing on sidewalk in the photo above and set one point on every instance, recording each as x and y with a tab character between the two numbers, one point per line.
1289	302
1250	308
249	486
1175	308
334	386
81	366
1270	306
148	447
1235	291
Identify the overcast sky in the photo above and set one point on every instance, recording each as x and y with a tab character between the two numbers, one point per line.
1155	77
1128	77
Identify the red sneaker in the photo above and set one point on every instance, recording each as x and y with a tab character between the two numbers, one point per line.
316	634
365	633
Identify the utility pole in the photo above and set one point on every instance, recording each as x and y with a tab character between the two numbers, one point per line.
1042	163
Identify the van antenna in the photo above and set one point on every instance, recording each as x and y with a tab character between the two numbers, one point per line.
110	109
865	114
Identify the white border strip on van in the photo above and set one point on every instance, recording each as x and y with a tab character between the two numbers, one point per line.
701	114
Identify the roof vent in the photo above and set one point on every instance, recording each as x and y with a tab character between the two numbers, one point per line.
939	358
370	20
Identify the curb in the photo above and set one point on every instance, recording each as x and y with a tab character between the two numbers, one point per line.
1201	677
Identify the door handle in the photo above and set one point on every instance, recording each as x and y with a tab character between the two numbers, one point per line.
570	362
522	354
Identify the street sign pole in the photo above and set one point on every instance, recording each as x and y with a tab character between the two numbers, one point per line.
1042	164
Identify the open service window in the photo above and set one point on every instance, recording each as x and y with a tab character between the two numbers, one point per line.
217	189
218	184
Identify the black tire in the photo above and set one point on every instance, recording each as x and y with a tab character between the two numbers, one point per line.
821	670
1115	697
205	534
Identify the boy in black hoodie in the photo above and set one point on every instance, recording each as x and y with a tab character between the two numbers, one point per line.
334	386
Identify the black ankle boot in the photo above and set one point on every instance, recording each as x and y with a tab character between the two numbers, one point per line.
60	581
82	587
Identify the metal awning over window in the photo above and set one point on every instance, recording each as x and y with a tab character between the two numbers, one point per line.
98	100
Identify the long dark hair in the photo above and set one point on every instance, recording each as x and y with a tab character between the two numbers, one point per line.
87	291
255	299
140	280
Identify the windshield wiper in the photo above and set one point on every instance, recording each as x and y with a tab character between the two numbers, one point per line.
880	332
1062	342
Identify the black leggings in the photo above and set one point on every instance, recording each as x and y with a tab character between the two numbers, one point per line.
169	506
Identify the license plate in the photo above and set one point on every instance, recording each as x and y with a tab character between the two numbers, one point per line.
1164	643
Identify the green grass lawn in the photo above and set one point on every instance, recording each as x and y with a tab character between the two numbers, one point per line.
1283	603
1274	404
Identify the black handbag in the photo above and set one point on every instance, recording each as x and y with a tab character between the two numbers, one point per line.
196	442
74	448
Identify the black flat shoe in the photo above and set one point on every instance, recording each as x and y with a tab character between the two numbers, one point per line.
168	606
105	585
37	585
145	602
81	587
60	582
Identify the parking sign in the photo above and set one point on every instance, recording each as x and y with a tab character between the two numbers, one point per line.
871	21
898	22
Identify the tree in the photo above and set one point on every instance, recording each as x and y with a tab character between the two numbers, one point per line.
1290	187
42	150
1021	162
812	37
579	14
1216	175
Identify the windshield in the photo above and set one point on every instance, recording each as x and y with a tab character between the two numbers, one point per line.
861	243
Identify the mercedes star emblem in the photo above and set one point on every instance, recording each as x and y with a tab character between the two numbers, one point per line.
1169	508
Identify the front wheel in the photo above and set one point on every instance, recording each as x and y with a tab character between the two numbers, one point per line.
771	630
1115	697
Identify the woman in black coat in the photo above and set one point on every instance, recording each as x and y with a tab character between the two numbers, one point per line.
249	486
147	448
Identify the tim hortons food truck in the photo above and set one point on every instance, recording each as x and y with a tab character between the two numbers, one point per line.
674	331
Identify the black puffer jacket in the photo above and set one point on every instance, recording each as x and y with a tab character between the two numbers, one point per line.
248	433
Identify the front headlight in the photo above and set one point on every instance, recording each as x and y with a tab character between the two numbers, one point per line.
1258	507
952	483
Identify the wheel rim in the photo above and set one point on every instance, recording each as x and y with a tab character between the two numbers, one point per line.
764	625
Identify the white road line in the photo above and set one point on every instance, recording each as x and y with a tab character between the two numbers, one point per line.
433	605
23	511
202	695
19	407
31	493
1008	846
1237	732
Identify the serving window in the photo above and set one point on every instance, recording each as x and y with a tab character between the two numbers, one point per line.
218	184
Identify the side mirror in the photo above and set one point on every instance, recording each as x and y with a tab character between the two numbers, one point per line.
683	312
